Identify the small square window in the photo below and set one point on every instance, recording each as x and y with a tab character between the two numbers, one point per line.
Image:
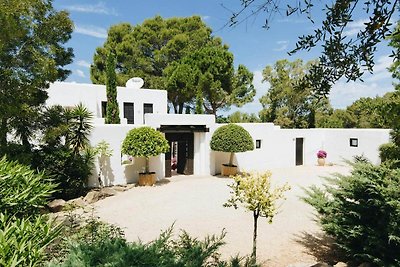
354	142
258	143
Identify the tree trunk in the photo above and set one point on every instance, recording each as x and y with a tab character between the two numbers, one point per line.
147	170
3	133
231	159
180	108
255	219
175	108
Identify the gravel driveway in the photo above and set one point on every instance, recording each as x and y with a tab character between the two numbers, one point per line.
194	203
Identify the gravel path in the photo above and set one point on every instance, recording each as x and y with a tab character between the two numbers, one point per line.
195	203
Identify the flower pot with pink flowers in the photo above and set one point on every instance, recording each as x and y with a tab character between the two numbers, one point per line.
321	155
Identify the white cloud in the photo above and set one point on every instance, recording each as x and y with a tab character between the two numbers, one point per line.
80	73
91	30
354	27
99	8
344	94
83	63
283	45
205	17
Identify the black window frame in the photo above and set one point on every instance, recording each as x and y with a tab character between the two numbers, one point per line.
129	119
258	143
353	142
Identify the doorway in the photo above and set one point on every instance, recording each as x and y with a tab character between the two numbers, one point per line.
180	158
299	151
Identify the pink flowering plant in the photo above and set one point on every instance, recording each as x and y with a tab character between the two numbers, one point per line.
321	154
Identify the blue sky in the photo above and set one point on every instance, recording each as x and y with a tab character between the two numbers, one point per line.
251	45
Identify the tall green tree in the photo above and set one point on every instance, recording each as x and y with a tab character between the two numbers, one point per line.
146	49
32	55
180	55
286	104
342	55
112	110
220	84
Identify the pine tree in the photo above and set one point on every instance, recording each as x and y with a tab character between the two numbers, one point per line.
112	111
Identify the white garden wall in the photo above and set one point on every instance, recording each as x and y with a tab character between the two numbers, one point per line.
278	146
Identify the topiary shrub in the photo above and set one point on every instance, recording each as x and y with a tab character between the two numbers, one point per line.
231	138
144	142
362	212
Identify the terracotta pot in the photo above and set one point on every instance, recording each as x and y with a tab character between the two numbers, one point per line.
321	161
228	170
147	178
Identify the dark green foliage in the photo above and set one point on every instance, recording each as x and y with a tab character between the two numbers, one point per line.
231	138
23	192
115	251
390	154
23	241
112	112
68	170
362	212
144	142
32	55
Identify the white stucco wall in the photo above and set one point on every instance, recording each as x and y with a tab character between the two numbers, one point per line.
278	146
114	172
91	95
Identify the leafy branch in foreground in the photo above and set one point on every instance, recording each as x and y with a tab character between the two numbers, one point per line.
343	54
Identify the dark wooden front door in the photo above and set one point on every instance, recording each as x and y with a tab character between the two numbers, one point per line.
299	151
185	153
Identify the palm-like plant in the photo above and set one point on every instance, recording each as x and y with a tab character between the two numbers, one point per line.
79	122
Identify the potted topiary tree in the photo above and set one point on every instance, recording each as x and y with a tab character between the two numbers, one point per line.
145	142
231	138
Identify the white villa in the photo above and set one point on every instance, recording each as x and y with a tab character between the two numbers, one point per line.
191	134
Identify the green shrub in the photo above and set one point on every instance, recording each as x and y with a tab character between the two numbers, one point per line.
163	252
144	142
22	191
23	241
390	154
362	212
231	138
69	170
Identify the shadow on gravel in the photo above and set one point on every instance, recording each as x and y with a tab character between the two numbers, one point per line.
320	246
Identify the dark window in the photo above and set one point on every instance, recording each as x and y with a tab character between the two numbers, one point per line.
129	113
258	143
147	108
354	142
103	109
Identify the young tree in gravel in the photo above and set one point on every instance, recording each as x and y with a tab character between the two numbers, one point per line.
112	110
32	55
254	192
